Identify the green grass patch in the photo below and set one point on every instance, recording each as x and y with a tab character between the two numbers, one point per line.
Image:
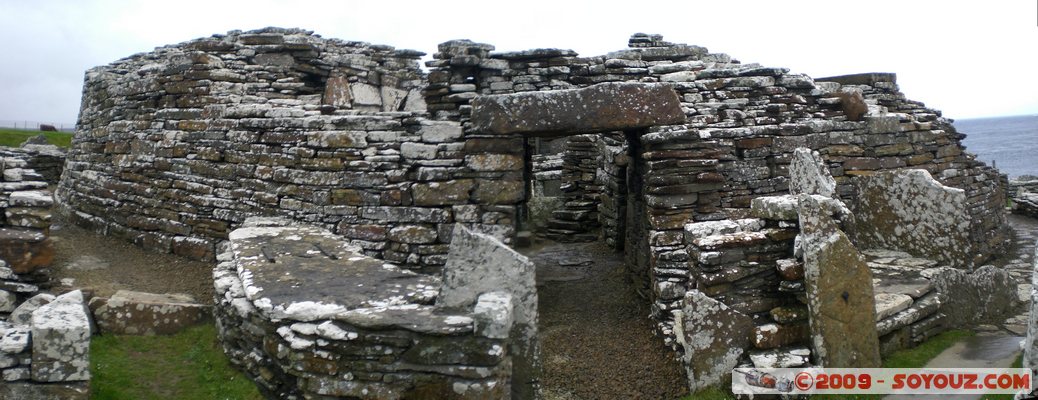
915	357
15	137
188	365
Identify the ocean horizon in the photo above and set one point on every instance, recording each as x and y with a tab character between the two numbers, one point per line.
1009	143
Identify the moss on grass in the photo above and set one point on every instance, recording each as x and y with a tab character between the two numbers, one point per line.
15	137
188	365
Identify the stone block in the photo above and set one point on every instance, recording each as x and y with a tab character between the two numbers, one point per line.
137	313
23	314
600	108
808	174
25	249
713	336
442	193
440	131
61	340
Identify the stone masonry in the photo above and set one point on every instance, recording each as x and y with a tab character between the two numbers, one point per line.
176	148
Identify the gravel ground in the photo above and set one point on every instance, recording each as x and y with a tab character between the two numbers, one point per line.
103	265
596	337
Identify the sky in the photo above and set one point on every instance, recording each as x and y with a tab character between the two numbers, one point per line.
967	58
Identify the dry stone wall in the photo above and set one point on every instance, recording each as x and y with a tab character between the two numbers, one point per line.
368	329
177	147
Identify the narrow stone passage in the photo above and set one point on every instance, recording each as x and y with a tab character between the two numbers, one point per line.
596	336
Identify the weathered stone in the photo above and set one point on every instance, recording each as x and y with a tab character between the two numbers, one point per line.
7	301
337	91
23	314
478	264
908	210
493	315
986	295
808	174
788	314
137	313
713	337
889	304
839	292
599	108
31	198
44	391
415	234
494	162
790	269
1030	343
780	358
14	340
25	250
773	336
442	193
440	131
61	340
499	192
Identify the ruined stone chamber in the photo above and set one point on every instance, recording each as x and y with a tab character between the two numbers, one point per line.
178	147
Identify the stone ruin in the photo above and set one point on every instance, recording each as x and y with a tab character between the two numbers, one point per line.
347	196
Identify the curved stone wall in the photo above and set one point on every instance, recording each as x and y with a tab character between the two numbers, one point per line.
177	147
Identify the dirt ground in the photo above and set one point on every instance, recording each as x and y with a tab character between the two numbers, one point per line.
103	265
596	336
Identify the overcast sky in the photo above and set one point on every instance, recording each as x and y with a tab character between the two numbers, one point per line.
969	59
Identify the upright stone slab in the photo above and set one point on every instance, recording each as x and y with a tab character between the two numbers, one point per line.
61	340
714	337
808	174
478	264
599	108
907	210
1030	359
839	292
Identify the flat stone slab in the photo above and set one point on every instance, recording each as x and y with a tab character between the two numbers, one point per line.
888	304
138	313
306	273
603	107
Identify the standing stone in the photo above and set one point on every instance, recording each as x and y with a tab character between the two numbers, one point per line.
337	91
839	292
808	174
61	340
908	210
478	264
714	337
1030	359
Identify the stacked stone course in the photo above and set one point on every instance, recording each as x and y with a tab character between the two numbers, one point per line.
178	147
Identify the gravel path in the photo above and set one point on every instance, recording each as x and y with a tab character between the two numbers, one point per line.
103	265
596	336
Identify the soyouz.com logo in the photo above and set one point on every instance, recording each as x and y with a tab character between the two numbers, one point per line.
881	381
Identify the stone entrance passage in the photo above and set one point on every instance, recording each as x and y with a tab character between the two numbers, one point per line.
596	342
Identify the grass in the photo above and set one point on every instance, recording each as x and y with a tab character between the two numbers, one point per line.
15	137
188	365
915	357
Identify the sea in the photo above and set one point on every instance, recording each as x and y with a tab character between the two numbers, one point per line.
1010	143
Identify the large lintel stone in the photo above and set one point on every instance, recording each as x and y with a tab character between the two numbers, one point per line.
599	108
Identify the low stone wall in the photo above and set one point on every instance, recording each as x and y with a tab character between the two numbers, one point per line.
26	250
776	284
305	314
46	159
45	349
1024	195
